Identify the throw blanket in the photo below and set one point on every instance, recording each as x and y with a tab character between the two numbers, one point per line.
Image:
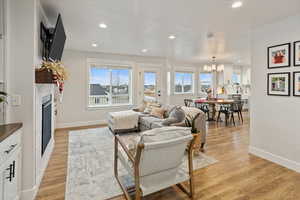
201	121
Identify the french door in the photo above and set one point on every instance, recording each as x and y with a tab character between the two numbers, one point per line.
150	85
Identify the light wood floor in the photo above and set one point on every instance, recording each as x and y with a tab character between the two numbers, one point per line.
237	176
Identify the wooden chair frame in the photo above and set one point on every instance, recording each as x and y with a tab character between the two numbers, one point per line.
136	161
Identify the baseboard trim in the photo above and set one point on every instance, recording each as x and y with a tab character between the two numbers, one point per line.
78	124
275	158
29	194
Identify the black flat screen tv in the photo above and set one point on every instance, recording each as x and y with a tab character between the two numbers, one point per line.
58	40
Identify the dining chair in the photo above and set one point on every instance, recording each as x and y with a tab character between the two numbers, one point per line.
204	107
237	107
188	102
227	110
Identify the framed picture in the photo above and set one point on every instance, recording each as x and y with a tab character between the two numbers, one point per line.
279	84
296	83
279	56
297	53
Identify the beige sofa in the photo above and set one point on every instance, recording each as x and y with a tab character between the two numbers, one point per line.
147	121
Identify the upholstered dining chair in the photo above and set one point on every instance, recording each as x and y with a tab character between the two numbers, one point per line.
155	163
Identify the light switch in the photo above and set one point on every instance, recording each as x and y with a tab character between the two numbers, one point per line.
16	100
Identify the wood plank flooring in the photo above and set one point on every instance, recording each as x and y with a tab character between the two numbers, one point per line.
237	176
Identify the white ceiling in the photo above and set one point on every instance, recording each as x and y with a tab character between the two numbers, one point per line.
134	25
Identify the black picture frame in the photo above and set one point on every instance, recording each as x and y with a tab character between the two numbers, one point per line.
289	84
295	63
289	56
294	82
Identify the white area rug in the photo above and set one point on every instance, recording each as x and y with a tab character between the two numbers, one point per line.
90	165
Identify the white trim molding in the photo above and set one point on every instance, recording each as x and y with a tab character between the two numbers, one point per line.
275	158
78	124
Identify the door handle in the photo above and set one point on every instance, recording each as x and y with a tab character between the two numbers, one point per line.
10	172
10	149
14	169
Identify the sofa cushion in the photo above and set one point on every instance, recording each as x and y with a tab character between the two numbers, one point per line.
157	124
149	120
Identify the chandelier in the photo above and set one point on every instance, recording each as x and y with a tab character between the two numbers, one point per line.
214	67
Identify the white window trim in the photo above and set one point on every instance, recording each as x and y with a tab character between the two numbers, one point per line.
111	64
193	82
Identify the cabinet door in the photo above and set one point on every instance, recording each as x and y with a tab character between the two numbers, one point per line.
11	177
2	178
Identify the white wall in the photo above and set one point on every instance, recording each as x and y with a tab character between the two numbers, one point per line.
21	79
73	109
275	130
23	56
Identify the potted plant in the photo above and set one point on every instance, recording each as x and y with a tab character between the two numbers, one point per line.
190	121
3	96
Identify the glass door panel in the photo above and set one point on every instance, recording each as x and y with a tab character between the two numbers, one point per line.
150	86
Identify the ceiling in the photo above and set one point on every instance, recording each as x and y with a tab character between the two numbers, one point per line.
134	25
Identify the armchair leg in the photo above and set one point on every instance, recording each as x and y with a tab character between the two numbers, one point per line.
127	196
202	145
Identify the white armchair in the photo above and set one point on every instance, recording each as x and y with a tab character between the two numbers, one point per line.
155	165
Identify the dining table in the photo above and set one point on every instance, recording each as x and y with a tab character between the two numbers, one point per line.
212	103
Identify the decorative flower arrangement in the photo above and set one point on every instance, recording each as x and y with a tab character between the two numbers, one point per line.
59	72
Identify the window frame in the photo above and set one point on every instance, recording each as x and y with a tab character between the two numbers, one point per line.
109	65
182	86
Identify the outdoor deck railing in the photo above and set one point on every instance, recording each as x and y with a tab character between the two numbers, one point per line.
95	100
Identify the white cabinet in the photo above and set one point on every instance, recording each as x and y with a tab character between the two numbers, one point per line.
10	176
10	167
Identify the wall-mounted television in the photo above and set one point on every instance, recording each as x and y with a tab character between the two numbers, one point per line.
54	40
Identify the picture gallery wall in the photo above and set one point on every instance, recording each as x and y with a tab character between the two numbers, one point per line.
279	56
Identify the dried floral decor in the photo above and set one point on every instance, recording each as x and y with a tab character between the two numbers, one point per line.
59	72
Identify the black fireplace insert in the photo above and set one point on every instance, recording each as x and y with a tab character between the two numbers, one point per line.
46	121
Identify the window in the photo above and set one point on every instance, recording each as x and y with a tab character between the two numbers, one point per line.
236	78
206	81
109	86
183	82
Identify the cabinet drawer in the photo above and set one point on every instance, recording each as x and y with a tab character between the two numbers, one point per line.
9	145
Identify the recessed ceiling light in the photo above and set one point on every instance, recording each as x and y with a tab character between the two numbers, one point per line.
94	45
172	37
144	50
102	25
237	4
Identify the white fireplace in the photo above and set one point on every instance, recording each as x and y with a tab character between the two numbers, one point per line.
44	97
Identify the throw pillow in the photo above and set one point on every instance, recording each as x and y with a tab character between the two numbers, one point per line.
150	105
158	112
177	115
141	107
